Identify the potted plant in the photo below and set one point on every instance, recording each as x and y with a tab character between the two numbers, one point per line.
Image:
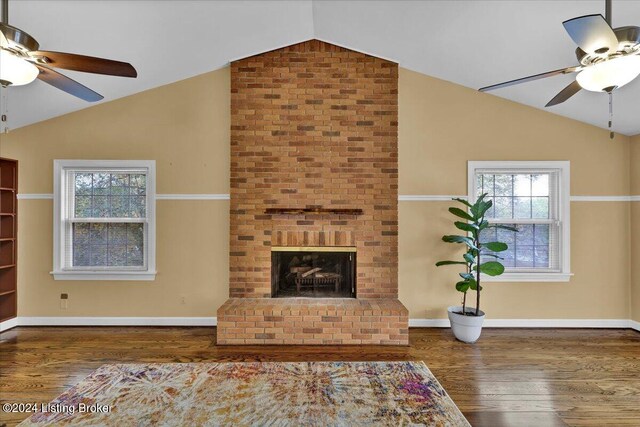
466	322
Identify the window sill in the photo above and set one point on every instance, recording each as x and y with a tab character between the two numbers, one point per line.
528	277
104	275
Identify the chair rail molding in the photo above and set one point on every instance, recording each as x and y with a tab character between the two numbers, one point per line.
401	198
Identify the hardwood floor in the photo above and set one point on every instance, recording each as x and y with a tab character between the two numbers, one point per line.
511	377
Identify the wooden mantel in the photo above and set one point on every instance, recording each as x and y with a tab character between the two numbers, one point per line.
312	211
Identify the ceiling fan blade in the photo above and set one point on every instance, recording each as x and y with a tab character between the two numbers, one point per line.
531	78
66	84
565	94
86	64
592	34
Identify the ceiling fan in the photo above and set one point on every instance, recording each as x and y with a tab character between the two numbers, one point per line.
609	58
21	63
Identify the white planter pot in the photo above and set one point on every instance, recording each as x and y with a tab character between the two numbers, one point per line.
465	328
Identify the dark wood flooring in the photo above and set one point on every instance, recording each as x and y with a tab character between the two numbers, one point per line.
511	377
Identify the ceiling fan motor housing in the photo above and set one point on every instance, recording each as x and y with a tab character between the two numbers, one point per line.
628	44
20	41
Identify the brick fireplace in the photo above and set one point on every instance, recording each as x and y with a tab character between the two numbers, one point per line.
314	171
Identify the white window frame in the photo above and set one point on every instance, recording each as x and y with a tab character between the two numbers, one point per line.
60	218
562	168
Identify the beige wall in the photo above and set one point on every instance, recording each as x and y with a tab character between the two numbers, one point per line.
635	229
442	126
185	128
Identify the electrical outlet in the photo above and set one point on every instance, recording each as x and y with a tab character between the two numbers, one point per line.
64	301
183	300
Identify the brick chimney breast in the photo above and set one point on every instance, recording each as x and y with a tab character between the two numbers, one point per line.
314	125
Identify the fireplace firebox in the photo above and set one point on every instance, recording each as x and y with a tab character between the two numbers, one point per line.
323	272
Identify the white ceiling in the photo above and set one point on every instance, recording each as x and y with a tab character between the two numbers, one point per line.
472	43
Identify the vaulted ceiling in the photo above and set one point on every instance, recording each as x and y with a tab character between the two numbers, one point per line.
471	43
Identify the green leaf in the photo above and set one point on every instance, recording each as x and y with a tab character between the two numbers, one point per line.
439	263
492	268
467	276
460	239
462	286
460	213
471	228
453	238
496	246
474	285
484	224
463	201
493	256
469	257
483	208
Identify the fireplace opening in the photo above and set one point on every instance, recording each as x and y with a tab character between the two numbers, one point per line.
313	272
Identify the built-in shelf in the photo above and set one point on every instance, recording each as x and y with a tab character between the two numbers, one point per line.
8	236
312	211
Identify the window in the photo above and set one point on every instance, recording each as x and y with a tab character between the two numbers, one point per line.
534	198
104	220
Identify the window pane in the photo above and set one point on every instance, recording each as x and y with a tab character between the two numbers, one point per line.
137	206
522	207
541	234
524	257
504	207
524	236
108	245
83	207
84	183
101	184
81	255
540	185
110	195
522	185
100	207
541	256
504	185
138	184
98	234
540	207
486	184
117	255
120	207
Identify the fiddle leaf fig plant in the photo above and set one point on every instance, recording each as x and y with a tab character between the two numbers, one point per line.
476	249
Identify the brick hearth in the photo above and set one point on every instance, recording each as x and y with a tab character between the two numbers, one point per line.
313	125
312	321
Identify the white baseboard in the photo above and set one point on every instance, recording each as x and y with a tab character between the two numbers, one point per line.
114	321
8	324
428	323
532	323
213	321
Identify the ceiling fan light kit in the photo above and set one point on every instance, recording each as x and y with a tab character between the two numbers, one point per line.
15	71
608	58
609	75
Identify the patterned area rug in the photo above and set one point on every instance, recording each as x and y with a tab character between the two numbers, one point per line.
255	394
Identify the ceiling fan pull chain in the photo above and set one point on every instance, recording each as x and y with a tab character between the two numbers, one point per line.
4	127
610	114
